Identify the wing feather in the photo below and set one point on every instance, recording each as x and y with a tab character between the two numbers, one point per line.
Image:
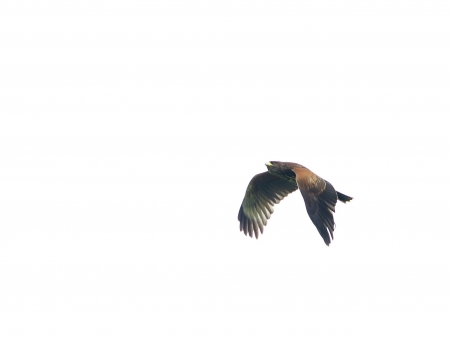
320	200
263	192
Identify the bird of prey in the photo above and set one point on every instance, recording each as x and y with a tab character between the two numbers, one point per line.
269	188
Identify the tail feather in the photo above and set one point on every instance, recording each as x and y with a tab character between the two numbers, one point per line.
342	197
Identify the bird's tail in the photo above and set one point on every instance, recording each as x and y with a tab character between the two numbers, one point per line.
342	197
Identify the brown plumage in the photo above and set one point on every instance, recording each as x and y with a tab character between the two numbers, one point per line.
269	188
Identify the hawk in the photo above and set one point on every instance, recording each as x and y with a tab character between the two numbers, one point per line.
269	188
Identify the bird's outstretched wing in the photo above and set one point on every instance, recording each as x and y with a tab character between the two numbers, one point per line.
263	192
320	199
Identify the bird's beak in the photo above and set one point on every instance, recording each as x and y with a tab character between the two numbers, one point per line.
269	164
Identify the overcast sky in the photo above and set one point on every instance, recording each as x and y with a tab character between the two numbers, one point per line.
129	131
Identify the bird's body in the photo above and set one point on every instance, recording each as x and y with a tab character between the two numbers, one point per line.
283	178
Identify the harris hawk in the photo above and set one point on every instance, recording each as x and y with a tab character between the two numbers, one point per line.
269	188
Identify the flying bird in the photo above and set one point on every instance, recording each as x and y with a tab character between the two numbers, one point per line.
269	188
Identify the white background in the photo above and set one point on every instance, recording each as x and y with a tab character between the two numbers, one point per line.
129	131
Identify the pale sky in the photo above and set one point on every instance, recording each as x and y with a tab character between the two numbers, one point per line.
129	131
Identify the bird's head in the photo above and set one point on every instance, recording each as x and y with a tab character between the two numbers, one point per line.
271	164
282	169
276	167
